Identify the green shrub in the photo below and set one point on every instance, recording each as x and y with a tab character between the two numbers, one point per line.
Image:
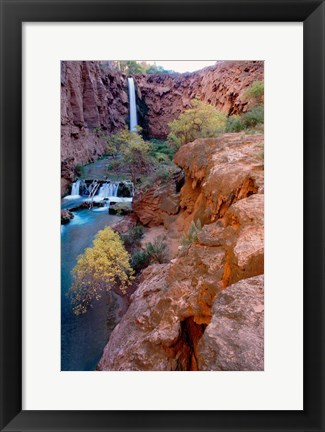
161	147
255	93
246	122
140	260
200	121
157	250
154	69
132	152
79	170
191	236
162	173
253	117
121	140
113	165
131	67
136	232
234	124
154	252
133	236
161	157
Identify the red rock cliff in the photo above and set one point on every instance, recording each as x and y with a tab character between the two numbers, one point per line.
204	310
164	97
93	99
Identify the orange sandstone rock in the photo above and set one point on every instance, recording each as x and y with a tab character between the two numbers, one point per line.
171	311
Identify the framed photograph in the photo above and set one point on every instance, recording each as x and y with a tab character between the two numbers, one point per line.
146	284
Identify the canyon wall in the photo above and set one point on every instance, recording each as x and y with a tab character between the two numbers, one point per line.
204	310
94	102
163	97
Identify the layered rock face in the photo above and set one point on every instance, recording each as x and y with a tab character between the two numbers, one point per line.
210	297
158	203
94	102
163	97
234	340
219	172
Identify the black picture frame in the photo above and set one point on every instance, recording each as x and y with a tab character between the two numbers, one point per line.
13	14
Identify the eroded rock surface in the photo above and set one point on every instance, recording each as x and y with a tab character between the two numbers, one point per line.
172	309
94	102
154	205
234	340
219	172
164	96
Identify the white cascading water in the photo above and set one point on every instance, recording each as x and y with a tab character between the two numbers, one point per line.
75	191
132	106
108	190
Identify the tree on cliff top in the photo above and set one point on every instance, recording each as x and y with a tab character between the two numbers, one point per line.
200	121
100	268
156	69
132	67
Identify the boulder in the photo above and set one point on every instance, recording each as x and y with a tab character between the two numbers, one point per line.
120	208
124	224
66	216
154	205
234	339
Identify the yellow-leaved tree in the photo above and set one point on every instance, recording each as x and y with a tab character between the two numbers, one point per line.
200	121
100	268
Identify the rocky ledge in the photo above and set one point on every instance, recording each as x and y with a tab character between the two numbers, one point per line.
66	216
210	296
156	204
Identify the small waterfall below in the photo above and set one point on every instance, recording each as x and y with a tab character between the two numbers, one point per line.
97	195
75	190
108	190
132	106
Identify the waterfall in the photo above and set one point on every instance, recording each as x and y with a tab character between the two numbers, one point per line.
75	188
108	190
105	193
132	105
